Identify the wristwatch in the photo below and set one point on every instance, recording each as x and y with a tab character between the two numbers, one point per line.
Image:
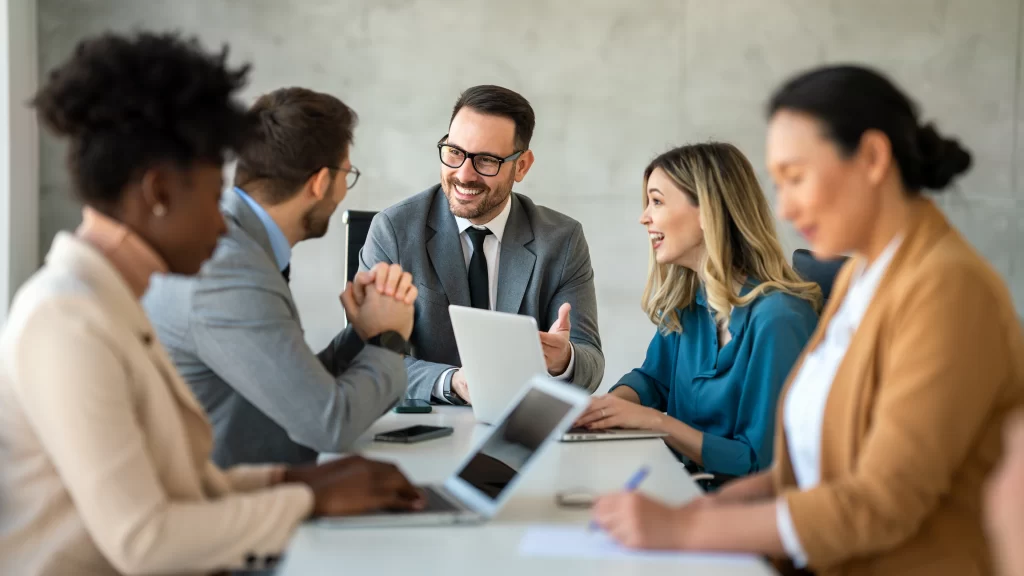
393	341
450	396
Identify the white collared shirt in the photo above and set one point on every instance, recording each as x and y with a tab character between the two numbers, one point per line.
492	246
804	407
492	253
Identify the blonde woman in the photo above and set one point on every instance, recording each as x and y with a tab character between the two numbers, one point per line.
732	315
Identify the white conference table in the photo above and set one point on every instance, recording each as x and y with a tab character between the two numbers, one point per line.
493	548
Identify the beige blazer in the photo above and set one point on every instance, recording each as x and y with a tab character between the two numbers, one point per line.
104	452
913	420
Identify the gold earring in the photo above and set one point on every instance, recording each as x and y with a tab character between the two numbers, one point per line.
159	210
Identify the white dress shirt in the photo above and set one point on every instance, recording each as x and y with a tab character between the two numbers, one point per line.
804	407
492	253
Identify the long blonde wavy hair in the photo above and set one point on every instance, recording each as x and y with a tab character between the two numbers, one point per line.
739	238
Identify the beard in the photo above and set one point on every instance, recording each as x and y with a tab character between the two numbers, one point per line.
318	218
487	201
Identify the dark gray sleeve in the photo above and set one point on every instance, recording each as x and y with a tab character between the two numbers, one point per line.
423	376
249	338
382	246
577	288
342	351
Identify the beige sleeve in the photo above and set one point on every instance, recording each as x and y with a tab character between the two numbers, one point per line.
82	408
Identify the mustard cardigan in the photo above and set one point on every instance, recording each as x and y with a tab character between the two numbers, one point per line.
912	424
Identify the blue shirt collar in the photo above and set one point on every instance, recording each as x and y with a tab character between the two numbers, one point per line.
278	242
739	315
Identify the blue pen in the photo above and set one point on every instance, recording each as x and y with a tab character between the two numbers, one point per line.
631	485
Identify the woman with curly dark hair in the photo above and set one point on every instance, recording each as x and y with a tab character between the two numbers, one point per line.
105	451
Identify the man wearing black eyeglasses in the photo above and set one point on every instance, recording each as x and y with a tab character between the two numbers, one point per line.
234	332
471	241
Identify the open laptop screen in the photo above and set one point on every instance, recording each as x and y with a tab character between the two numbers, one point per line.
513	442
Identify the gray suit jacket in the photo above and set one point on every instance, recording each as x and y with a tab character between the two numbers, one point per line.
544	263
234	334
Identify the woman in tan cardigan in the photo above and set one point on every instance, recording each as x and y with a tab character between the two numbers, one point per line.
104	452
891	419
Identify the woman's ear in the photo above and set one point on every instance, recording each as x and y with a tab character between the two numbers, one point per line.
875	154
155	190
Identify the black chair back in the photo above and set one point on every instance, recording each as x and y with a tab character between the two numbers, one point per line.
357	227
821	272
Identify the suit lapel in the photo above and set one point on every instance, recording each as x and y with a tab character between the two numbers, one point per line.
783	473
515	266
445	250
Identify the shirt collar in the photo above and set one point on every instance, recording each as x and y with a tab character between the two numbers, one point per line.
748	285
496	225
738	317
866	280
278	242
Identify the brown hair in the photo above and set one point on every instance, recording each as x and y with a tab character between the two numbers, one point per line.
501	102
298	133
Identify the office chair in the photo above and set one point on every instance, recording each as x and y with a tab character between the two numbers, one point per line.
357	227
821	272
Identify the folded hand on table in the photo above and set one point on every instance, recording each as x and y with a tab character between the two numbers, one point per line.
380	300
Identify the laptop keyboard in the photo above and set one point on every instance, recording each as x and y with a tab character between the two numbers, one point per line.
436	502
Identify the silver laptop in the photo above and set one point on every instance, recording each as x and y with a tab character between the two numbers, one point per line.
584	435
488	476
500	352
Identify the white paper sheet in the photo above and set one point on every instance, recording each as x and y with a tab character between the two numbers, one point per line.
579	542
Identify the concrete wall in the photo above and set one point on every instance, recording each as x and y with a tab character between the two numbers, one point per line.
612	86
19	149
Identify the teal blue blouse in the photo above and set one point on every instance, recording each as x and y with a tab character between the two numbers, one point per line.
730	394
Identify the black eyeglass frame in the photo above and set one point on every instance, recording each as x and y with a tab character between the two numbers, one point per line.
471	156
350	170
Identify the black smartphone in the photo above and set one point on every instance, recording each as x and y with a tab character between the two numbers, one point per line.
411	406
414	434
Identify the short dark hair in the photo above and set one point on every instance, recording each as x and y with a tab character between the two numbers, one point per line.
850	100
498	101
128	103
299	132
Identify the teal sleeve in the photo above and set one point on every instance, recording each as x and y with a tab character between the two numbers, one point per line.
651	381
777	343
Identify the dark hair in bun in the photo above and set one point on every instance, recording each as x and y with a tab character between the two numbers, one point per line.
850	100
129	103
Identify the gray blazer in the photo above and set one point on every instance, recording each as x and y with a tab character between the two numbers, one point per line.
234	334
544	263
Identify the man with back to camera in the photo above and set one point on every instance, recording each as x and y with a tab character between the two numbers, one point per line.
234	331
471	241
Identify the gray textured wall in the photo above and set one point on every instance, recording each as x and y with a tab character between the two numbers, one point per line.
612	84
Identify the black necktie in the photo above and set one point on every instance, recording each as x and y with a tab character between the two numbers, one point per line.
479	289
287	273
